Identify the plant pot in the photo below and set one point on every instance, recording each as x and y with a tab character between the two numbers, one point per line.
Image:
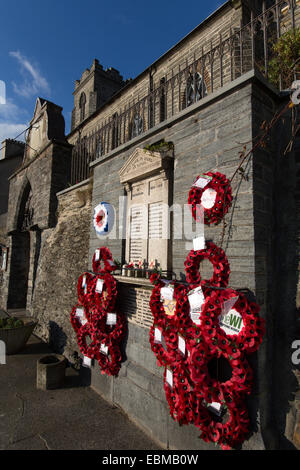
50	372
130	272
139	272
15	339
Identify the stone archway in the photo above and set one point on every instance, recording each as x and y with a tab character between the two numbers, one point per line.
20	254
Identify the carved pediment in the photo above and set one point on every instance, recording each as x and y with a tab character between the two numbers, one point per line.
140	164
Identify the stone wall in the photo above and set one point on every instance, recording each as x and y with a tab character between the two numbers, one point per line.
63	257
206	137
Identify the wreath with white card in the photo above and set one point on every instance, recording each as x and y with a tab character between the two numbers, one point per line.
217	257
213	192
95	316
231	323
103	255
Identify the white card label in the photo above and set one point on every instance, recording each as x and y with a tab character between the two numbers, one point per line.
202	182
104	349
79	312
196	298
169	378
232	322
157	336
87	361
99	285
97	255
181	344
215	407
83	281
111	319
208	198
199	243
167	293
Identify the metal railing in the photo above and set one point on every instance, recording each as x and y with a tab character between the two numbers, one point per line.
224	59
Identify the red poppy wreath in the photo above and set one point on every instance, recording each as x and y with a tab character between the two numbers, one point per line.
228	432
231	324
217	257
212	192
108	356
103	254
170	309
104	292
178	392
83	287
213	388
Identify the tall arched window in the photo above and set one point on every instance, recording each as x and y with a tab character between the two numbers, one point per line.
82	102
195	88
136	126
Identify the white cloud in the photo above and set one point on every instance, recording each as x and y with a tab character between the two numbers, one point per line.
13	120
34	83
10	131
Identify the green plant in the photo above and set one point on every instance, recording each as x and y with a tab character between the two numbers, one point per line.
160	145
10	323
285	62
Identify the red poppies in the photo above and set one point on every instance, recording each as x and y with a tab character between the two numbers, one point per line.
99	327
213	192
202	331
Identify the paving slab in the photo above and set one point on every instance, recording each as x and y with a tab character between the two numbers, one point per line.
70	418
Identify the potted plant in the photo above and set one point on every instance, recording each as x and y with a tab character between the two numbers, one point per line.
15	332
139	268
130	269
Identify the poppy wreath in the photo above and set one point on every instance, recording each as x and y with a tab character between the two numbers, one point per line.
178	396
190	330
83	287
100	219
218	183
252	327
171	355
217	257
227	434
180	316
95	308
109	363
107	298
87	330
104	255
111	333
211	389
75	322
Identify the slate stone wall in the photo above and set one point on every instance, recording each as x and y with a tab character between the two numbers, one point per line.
63	257
208	137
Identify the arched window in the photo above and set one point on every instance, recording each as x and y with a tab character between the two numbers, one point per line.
115	131
82	102
136	126
195	88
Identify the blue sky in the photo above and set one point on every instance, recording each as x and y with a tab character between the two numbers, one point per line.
45	46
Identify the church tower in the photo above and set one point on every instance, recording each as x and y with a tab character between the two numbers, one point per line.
95	87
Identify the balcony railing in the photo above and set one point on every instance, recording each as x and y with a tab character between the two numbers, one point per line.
220	62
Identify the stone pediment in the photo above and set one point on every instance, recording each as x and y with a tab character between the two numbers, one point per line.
140	164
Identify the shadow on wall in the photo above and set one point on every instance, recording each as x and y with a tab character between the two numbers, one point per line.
57	338
277	226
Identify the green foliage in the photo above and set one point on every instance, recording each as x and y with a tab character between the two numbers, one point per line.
159	146
285	61
10	323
